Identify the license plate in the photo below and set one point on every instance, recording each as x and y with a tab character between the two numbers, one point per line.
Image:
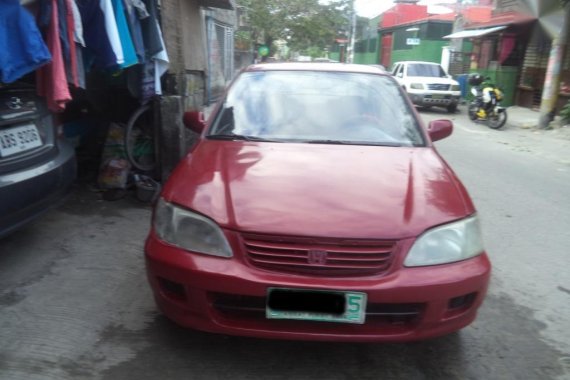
438	96
19	139
316	305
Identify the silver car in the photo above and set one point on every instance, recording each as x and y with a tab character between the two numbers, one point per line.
37	165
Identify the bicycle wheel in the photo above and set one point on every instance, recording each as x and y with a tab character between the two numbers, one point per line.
139	139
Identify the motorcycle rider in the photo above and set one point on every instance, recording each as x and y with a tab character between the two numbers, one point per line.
488	92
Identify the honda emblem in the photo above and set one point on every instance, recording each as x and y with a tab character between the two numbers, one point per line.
317	257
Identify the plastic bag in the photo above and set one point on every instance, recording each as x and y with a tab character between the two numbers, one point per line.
114	168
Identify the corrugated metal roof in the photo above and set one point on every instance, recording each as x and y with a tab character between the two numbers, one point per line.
474	33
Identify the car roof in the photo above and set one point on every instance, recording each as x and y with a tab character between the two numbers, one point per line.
317	66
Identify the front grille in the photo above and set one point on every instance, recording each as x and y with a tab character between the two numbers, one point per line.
438	87
319	257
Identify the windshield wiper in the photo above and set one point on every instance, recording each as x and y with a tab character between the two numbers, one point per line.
233	137
335	142
344	142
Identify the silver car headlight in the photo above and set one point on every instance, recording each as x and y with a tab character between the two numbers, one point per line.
455	87
447	244
189	231
417	86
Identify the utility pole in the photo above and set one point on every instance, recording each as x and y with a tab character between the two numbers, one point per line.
352	34
552	82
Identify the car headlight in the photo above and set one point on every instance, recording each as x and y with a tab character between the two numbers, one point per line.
447	244
455	87
189	231
417	86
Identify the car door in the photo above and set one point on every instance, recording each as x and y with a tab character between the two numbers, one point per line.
399	73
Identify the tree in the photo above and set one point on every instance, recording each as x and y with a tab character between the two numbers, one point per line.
303	24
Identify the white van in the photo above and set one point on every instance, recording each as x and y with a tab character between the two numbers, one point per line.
427	84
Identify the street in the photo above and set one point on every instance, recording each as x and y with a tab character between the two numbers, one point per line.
75	303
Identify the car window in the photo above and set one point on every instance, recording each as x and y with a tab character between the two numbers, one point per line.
395	69
310	106
425	70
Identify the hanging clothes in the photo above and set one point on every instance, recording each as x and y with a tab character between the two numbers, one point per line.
63	30
136	11
71	62
144	80
112	30
129	53
51	80
150	30
79	44
98	45
78	23
161	64
21	44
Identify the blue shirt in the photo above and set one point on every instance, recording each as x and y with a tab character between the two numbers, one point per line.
22	48
95	35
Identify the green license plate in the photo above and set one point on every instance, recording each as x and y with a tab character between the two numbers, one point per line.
438	96
316	305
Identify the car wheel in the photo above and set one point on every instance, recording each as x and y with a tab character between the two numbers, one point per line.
452	108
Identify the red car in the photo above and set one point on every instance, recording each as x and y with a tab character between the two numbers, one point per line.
315	207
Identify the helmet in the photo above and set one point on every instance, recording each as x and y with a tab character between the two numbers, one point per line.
475	79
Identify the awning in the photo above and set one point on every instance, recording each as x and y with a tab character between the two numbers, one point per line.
223	4
475	33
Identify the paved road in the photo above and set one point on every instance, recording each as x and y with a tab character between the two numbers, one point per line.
74	303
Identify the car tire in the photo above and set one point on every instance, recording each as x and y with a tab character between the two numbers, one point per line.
452	108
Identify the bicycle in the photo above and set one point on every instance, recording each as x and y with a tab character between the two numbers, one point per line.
141	139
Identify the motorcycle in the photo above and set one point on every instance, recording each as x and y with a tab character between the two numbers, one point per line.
485	106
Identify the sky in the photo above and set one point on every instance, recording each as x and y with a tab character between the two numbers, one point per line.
372	8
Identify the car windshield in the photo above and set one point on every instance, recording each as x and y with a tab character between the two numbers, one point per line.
425	70
316	107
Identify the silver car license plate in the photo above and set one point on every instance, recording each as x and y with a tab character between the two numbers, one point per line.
19	139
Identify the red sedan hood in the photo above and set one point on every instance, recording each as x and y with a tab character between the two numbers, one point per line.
319	190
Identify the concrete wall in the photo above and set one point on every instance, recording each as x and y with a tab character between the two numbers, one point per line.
184	89
184	32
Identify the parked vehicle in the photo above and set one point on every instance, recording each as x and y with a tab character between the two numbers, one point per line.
427	84
486	104
37	166
314	206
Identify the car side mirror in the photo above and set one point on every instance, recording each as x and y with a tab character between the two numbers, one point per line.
440	129
194	120
400	75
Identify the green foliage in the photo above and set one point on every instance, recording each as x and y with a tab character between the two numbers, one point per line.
565	113
302	23
314	52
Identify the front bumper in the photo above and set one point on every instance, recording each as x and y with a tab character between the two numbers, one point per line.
26	194
436	98
228	296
